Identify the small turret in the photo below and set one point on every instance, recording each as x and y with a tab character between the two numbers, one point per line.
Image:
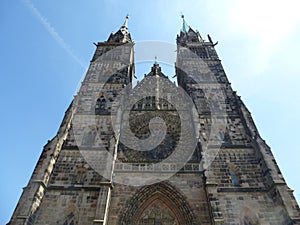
156	71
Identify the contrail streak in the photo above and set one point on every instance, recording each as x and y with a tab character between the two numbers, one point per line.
54	33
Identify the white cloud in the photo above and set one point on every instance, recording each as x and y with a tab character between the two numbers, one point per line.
266	24
268	18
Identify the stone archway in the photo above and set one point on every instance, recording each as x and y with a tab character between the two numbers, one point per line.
159	203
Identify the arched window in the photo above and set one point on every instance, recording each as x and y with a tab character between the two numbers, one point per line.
233	171
234	178
100	106
70	220
70	215
140	105
80	176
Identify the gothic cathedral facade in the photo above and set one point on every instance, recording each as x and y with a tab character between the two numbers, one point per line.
157	152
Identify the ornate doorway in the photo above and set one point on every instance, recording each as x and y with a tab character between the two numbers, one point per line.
157	204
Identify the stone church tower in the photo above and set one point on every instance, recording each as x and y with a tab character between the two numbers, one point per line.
156	153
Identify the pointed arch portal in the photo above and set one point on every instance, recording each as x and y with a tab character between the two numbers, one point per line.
158	204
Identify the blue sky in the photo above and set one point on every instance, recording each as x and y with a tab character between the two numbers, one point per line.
46	47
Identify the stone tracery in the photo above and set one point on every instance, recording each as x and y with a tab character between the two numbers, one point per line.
159	203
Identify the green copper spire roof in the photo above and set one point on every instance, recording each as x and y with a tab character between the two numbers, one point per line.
185	26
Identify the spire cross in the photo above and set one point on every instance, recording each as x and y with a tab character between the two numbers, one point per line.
155	60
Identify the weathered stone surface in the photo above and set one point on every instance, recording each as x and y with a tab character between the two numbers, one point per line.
122	155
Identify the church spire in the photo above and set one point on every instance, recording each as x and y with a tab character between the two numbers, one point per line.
122	35
187	34
124	28
155	60
185	26
125	24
